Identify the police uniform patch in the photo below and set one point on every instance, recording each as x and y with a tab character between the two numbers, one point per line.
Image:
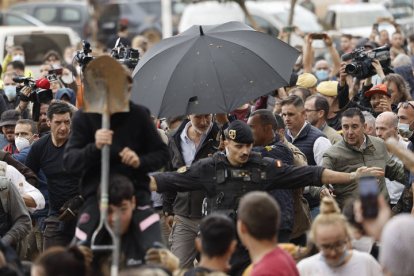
182	169
232	134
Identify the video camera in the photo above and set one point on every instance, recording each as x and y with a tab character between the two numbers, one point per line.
83	57
361	66
40	89
125	55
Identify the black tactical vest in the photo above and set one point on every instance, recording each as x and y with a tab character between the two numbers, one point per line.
232	183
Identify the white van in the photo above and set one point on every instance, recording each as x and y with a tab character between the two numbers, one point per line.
357	19
271	16
36	42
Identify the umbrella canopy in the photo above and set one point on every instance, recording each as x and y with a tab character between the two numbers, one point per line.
211	69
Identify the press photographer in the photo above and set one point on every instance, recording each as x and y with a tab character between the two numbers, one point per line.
35	92
84	57
125	55
373	95
9	99
361	65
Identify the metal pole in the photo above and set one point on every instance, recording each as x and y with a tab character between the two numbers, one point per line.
117	246
104	200
291	14
166	17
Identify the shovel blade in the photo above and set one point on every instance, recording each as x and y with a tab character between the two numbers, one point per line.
106	87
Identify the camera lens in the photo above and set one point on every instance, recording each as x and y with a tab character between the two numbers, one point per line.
351	68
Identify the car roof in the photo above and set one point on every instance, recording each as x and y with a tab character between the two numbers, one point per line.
136	1
214	6
49	3
272	7
360	7
31	19
33	29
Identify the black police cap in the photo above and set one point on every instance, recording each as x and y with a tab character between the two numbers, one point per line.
239	132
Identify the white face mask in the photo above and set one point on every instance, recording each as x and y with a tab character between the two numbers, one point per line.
21	143
10	92
18	58
67	79
404	130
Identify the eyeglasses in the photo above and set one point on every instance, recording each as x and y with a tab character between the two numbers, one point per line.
337	246
405	105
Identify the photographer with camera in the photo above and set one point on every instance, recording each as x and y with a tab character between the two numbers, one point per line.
12	94
32	95
363	65
9	91
322	69
347	84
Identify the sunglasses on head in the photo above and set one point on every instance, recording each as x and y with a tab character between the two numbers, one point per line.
405	105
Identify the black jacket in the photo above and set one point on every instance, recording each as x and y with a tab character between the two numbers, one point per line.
133	129
144	232
188	204
202	176
278	150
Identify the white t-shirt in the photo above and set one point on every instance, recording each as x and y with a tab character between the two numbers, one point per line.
25	188
361	263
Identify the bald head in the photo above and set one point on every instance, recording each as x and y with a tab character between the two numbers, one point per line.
386	125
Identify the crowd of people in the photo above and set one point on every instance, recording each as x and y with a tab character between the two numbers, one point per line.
272	188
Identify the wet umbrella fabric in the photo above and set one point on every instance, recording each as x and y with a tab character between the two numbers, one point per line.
211	69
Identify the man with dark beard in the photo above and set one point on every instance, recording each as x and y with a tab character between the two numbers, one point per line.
7	124
42	125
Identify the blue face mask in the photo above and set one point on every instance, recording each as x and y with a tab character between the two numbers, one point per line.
10	91
322	75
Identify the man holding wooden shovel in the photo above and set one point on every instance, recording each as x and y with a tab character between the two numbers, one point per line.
135	145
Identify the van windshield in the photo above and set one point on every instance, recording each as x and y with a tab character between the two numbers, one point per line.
356	19
37	45
306	23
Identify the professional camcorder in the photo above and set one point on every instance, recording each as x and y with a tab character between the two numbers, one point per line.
83	57
40	89
361	66
125	55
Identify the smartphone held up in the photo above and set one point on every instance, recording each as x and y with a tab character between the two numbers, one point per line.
318	36
368	192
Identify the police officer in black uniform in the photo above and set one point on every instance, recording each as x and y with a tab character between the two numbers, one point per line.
262	123
227	177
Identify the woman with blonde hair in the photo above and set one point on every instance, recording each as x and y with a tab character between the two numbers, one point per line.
332	236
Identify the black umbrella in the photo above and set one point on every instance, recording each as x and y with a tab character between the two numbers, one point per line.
211	69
